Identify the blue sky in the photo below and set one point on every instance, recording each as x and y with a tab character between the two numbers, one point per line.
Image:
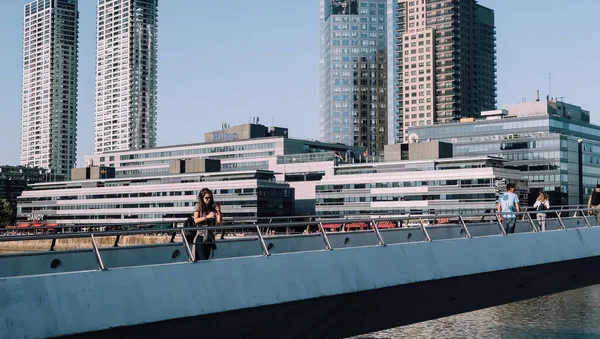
225	61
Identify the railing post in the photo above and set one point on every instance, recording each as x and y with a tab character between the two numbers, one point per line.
562	224
116	244
464	226
262	242
97	253
187	247
533	226
377	233
587	222
502	231
560	211
427	237
325	238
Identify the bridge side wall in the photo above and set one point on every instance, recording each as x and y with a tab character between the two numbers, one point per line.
95	300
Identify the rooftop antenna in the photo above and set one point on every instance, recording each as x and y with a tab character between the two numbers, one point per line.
550	83
537	95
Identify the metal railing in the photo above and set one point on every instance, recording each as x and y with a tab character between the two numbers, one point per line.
421	222
242	222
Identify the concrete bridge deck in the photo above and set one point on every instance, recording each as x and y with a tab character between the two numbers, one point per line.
371	280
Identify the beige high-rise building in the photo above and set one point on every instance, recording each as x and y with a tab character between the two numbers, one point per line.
441	62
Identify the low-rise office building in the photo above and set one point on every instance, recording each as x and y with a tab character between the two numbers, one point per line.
15	179
316	183
416	186
239	148
245	147
552	143
155	199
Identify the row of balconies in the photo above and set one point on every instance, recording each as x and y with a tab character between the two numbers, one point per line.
444	85
435	6
439	13
433	2
444	100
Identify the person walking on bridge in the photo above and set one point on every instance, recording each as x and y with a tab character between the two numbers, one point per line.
594	202
541	205
508	204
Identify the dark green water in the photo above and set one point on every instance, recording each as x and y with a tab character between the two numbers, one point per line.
573	314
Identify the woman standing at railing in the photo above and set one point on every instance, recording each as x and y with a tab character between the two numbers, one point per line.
541	204
207	212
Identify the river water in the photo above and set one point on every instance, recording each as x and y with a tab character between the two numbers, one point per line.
572	314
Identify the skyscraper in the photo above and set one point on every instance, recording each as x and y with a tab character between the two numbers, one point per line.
49	94
126	74
353	91
441	62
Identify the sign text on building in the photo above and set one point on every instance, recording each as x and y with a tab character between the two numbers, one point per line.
224	136
35	217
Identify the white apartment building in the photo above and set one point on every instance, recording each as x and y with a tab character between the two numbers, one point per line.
49	93
126	75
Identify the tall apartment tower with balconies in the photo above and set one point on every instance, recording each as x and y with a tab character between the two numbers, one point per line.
126	75
441	62
353	91
49	93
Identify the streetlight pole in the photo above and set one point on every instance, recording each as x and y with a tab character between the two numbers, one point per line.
580	164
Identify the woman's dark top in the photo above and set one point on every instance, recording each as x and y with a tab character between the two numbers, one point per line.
207	222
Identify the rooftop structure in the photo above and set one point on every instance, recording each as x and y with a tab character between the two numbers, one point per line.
548	107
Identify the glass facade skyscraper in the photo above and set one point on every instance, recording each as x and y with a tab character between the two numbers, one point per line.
49	97
353	93
126	75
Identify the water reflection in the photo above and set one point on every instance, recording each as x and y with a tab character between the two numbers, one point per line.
573	314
